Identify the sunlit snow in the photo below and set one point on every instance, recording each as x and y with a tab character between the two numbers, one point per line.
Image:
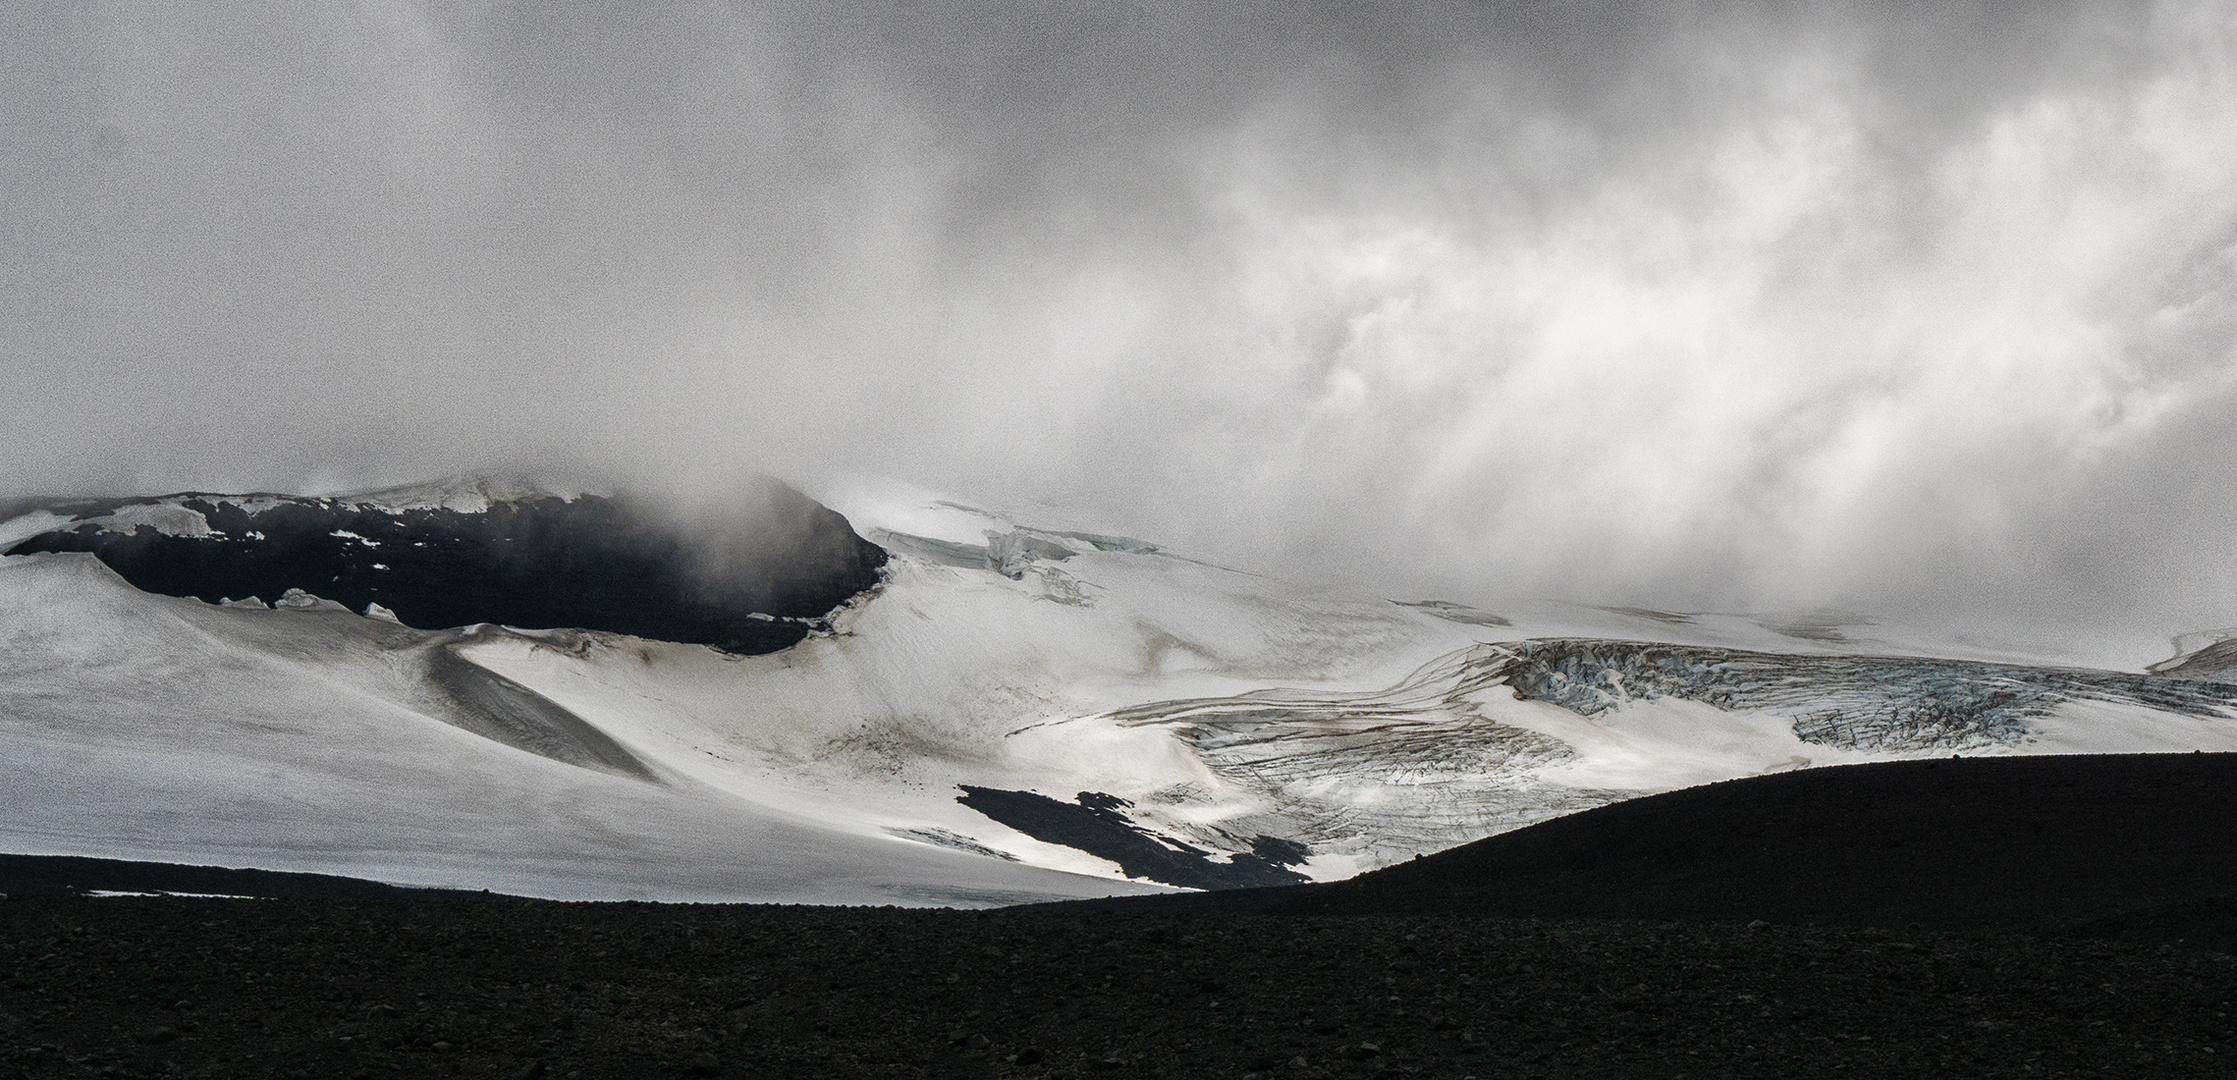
996	653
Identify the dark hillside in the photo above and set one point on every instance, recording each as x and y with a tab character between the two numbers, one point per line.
1990	843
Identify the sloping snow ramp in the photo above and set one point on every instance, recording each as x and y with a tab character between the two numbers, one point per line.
144	727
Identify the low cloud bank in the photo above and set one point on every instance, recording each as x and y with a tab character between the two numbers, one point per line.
1910	310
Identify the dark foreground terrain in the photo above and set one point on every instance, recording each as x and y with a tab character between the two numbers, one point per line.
248	988
2100	844
2053	917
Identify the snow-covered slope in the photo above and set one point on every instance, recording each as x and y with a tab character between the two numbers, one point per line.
141	726
1014	710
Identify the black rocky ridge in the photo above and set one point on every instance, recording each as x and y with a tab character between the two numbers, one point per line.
752	582
77	875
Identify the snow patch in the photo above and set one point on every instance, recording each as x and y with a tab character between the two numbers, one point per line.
1011	553
298	600
165	516
18	529
464	494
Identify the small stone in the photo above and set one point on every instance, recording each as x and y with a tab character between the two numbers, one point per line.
534	1070
1027	1056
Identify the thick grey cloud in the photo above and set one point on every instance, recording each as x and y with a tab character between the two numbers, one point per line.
1905	307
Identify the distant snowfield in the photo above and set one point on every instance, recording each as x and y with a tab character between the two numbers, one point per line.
1223	706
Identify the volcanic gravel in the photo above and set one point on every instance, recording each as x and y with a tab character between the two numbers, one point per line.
507	988
2038	917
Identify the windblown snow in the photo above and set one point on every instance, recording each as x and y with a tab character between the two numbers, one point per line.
1013	713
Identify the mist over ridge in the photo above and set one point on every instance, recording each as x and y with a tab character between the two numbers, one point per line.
1893	309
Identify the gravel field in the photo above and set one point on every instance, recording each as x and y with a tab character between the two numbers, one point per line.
2034	917
288	988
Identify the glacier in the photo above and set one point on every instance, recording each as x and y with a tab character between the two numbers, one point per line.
1009	711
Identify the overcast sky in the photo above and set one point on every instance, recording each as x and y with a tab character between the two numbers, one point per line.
1900	308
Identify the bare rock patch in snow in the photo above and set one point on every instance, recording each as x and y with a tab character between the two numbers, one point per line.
537	561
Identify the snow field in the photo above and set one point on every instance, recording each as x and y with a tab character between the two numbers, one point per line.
1223	705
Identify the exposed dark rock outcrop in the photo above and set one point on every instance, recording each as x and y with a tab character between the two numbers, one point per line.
749	580
1098	824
